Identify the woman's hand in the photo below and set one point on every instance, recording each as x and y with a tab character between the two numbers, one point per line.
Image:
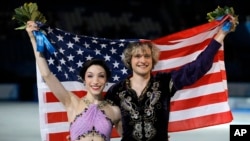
31	26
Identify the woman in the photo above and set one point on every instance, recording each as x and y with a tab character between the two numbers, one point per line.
90	117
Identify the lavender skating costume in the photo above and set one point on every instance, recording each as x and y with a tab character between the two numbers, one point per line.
91	121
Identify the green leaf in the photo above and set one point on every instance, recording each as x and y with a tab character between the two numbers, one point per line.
33	7
218	12
26	12
21	27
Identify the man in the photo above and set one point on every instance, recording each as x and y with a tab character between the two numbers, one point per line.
144	98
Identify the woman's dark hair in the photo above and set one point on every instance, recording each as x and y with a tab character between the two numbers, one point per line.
99	62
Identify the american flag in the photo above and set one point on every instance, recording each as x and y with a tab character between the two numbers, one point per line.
202	104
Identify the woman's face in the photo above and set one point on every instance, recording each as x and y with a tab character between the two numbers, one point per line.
95	79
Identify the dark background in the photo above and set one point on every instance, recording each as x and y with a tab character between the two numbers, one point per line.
117	19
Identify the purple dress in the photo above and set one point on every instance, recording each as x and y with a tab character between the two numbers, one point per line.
91	121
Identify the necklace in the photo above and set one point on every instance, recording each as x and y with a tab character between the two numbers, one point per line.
100	105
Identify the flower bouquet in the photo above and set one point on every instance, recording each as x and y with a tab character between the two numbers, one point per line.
219	14
29	11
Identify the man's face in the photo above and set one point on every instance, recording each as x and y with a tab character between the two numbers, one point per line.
141	61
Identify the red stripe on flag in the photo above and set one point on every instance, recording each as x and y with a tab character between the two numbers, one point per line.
204	121
218	57
57	117
80	93
189	32
50	97
211	78
198	101
114	133
183	51
60	136
223	74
